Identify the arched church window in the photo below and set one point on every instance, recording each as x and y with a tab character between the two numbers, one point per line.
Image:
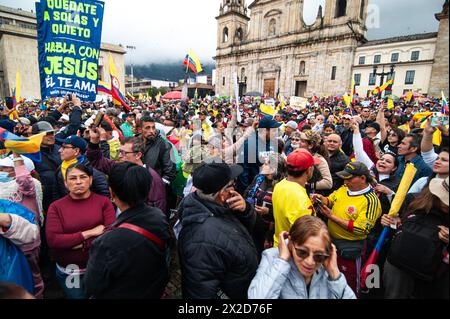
302	68
272	27
225	35
341	8
240	34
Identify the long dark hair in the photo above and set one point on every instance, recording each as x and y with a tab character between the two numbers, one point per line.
424	203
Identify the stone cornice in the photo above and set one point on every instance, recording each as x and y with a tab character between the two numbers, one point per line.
243	16
370	66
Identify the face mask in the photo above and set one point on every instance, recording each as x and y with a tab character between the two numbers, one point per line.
5	178
295	146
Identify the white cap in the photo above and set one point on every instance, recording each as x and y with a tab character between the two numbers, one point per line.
8	162
292	124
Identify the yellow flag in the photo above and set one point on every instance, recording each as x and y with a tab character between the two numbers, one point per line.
17	89
30	146
410	95
390	105
267	110
112	67
348	100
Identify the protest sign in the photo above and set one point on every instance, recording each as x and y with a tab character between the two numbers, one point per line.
69	38
298	103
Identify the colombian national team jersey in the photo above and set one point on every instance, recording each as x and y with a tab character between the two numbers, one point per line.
290	202
362	209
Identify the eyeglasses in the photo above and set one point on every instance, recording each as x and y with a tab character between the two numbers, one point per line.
304	253
123	153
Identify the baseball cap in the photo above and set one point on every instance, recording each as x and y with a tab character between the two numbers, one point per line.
75	141
41	127
24	120
347	116
211	178
375	125
354	169
311	136
301	160
292	124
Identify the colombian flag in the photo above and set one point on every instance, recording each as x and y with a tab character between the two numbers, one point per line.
444	105
193	62
388	86
29	147
267	110
114	89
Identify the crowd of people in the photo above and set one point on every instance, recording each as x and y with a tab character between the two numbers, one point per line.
252	205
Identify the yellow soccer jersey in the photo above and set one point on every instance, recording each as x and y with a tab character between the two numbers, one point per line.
290	202
361	210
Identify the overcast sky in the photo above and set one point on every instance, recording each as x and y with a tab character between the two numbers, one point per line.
165	29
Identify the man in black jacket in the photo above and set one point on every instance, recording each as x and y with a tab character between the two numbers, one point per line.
157	153
49	164
217	254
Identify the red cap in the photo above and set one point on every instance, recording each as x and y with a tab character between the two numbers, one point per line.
301	160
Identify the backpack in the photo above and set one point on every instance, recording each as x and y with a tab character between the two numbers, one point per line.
416	247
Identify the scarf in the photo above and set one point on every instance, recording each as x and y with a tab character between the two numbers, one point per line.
66	164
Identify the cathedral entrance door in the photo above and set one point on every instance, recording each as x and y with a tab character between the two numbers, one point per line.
269	87
300	88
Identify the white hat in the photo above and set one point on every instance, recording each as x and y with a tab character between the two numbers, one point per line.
439	187
8	162
24	121
292	124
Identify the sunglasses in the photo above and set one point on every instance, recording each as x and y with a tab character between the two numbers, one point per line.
304	253
295	139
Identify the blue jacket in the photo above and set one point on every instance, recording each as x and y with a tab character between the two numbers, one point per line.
423	170
278	279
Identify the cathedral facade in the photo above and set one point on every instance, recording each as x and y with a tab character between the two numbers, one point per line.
273	51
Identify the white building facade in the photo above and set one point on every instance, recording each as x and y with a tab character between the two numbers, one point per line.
412	58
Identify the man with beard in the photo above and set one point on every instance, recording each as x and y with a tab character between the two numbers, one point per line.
157	152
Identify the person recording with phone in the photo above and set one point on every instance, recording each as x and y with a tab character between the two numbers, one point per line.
438	162
304	266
